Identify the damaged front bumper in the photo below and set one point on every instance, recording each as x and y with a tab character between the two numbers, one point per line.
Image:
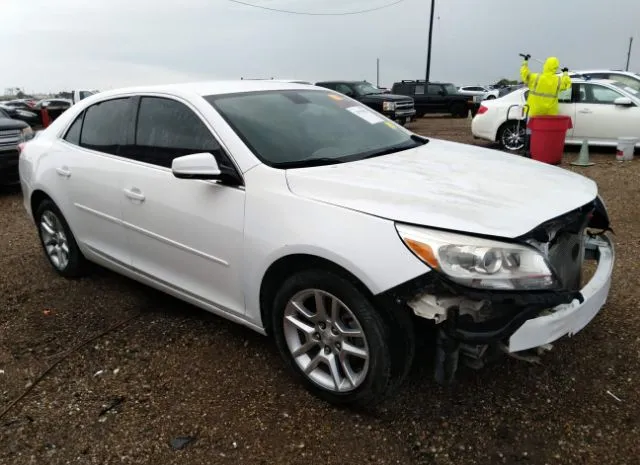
568	319
525	319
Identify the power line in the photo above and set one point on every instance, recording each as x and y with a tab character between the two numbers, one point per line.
277	10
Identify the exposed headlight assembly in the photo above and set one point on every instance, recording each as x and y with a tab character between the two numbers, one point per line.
479	263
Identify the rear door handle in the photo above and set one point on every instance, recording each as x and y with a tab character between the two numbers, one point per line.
64	171
134	194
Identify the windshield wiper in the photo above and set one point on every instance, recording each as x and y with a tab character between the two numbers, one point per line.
309	162
395	148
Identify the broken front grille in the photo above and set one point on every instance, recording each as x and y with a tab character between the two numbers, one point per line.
566	255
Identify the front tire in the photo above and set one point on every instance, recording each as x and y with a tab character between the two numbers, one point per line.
333	339
57	240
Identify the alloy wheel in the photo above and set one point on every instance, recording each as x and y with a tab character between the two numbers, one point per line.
512	137
54	239
326	340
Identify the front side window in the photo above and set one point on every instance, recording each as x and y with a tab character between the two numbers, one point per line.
596	94
433	89
168	129
344	89
451	89
364	88
106	126
298	128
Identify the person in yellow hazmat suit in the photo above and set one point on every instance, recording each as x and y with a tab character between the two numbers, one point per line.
544	87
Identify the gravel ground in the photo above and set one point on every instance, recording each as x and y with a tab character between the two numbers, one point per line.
176	371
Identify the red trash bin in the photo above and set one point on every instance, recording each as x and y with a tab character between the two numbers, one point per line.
547	137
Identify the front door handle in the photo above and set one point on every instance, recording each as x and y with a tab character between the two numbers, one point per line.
134	194
64	171
585	111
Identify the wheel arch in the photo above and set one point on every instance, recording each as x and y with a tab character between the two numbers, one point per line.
498	136
37	197
288	265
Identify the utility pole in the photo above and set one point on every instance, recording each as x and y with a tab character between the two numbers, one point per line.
629	53
433	7
377	72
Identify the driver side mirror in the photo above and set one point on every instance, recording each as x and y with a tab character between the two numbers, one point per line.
623	101
196	166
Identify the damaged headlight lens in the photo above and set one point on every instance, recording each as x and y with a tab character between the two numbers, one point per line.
479	263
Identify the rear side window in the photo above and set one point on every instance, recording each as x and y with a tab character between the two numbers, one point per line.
73	134
106	126
168	129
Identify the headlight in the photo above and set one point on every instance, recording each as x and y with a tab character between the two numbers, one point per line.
388	106
479	263
26	134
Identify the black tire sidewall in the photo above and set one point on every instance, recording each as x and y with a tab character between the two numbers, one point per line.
377	384
457	110
76	265
505	126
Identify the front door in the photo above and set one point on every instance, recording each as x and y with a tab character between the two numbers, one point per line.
186	234
598	119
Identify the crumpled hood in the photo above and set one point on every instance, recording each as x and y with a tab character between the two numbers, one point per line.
551	65
451	186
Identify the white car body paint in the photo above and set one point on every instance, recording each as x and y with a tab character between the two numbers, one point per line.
211	244
601	124
450	186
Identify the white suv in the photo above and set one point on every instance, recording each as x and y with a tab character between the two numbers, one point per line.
303	214
483	92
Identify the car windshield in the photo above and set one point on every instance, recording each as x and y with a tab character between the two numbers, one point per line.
301	128
365	88
628	87
450	88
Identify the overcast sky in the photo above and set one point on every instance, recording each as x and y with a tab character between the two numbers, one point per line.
52	45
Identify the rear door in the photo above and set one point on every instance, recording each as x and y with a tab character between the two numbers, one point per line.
186	234
567	106
598	119
89	171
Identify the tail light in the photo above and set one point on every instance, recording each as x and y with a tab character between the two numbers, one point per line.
482	110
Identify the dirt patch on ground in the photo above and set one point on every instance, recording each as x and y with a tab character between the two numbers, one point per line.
176	371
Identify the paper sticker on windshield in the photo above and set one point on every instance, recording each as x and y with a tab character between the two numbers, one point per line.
369	116
390	124
335	97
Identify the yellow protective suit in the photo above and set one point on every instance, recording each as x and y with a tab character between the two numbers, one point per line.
544	87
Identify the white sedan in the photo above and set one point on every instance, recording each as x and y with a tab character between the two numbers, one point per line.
303	214
601	111
479	91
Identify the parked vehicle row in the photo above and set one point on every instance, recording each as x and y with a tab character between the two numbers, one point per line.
322	223
399	108
601	111
12	134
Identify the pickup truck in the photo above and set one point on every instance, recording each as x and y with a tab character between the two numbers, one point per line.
398	108
81	94
435	97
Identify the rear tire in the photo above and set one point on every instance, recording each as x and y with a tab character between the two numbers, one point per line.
509	138
333	339
57	240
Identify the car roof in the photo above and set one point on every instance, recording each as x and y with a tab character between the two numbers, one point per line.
616	71
204	88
